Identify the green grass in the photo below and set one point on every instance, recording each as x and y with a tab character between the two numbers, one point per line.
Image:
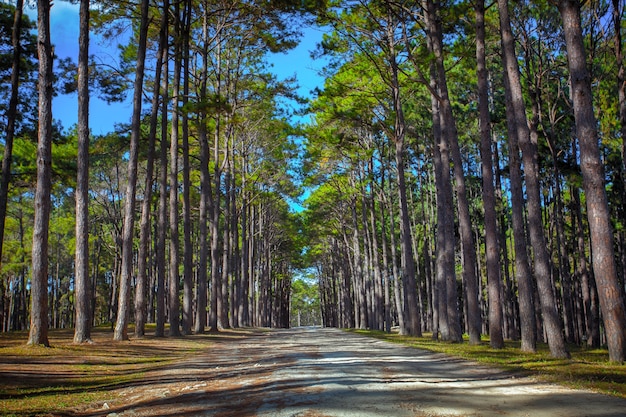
587	368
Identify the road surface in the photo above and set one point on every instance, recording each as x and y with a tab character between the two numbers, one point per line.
312	372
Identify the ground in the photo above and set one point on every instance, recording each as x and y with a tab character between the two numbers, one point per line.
327	372
305	372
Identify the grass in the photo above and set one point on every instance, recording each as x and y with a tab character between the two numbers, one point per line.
587	368
36	380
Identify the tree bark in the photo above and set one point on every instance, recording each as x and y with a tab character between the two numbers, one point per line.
39	282
522	264
174	261
205	189
412	320
123	307
187	321
492	249
604	265
82	331
162	210
141	290
449	131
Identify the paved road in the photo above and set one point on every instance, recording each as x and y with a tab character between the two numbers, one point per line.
326	372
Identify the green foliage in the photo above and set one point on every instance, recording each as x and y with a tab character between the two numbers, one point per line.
27	99
305	303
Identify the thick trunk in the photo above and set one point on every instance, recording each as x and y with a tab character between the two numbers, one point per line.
604	265
39	283
82	332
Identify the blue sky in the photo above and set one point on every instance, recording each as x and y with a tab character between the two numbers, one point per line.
64	28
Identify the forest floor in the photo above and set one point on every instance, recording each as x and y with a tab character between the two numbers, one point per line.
305	372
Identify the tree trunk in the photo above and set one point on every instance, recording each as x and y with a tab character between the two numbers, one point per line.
522	265
123	307
492	250
187	321
39	282
141	291
449	131
174	261
412	321
604	265
205	189
82	332
162	211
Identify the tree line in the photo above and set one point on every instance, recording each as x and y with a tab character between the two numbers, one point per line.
180	218
465	163
469	165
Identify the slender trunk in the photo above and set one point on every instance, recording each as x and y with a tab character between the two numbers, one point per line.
39	282
492	250
187	322
123	307
587	283
604	265
162	211
141	291
174	278
205	189
522	264
618	12
449	131
359	275
412	322
82	332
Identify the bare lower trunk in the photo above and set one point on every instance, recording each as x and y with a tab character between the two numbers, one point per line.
604	266
141	292
123	307
449	131
39	283
492	250
82	332
522	264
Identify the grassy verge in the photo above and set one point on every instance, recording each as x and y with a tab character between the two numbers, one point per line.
35	380
587	368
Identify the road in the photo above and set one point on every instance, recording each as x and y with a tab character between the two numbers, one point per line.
309	372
